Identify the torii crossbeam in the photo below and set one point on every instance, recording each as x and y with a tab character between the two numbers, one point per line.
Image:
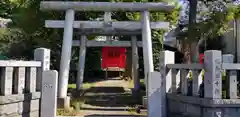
106	28
105	6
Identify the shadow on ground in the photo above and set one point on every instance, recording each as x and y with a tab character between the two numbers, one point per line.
96	77
111	97
75	93
106	90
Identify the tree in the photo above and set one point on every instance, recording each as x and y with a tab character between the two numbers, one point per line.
192	22
212	19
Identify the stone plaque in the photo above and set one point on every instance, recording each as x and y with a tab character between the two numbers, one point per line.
155	94
213	68
218	75
217	91
218	63
49	94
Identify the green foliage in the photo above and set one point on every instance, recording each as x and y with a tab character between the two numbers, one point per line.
6	8
214	18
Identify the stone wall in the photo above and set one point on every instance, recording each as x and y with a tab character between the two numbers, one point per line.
179	93
19	94
20	105
189	106
21	85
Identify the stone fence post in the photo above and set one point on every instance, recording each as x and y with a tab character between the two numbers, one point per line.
49	93
159	83
43	55
231	78
213	74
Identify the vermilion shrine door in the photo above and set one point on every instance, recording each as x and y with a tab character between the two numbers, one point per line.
113	58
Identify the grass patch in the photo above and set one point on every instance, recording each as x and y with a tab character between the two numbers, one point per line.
76	102
142	84
64	112
142	81
72	86
137	111
84	87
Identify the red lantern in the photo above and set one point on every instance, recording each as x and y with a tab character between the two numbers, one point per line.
113	57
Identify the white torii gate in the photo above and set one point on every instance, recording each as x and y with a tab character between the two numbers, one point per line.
106	28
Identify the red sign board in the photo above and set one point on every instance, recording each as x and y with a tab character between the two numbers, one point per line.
113	57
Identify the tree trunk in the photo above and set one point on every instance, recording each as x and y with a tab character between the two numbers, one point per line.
194	52
191	29
186	51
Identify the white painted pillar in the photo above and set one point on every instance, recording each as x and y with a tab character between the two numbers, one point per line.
81	62
147	43
66	54
135	63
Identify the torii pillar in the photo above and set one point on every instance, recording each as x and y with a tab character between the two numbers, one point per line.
63	99
147	44
66	53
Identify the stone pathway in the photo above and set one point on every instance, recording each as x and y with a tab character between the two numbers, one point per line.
110	98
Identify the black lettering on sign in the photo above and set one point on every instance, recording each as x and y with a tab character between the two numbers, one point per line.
218	64
47	85
217	91
218	75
